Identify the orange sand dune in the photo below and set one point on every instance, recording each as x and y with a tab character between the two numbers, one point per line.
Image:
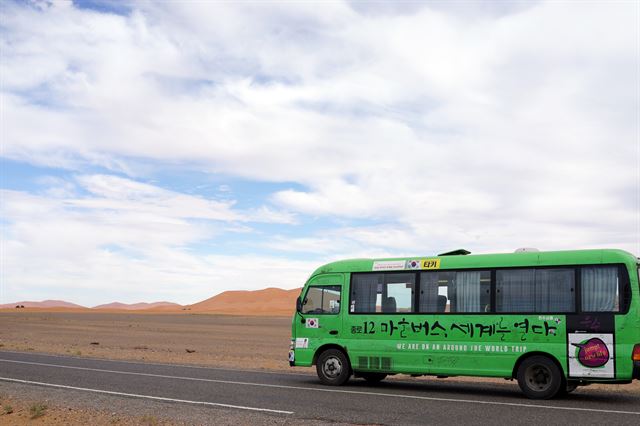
139	306
43	304
270	301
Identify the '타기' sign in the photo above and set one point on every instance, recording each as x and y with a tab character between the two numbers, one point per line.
430	264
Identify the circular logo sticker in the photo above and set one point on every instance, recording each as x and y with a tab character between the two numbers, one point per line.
592	353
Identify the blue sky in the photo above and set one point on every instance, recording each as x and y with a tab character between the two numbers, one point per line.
174	150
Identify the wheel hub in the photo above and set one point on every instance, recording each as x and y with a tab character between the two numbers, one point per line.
538	377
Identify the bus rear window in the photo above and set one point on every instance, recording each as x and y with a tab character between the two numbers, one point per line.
600	289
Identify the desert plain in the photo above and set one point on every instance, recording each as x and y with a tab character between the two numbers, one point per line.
177	337
248	342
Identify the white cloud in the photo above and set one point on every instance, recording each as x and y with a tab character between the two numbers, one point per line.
115	193
128	240
512	126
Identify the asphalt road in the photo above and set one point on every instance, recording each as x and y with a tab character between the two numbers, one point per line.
300	396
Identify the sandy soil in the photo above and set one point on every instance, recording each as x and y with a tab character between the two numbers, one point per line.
214	340
20	411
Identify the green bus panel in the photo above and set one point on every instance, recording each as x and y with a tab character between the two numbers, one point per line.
588	347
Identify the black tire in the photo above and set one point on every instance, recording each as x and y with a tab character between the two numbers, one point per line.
333	367
373	378
540	378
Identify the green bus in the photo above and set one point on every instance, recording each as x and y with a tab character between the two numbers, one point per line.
551	320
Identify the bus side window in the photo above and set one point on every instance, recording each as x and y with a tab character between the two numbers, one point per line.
382	293
541	290
455	291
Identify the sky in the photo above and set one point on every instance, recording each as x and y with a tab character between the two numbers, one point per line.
174	150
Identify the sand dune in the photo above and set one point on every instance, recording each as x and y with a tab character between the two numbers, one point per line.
269	301
43	304
140	306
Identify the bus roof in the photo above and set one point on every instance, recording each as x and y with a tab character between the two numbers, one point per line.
526	258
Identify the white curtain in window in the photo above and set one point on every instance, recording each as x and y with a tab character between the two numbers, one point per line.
468	291
599	289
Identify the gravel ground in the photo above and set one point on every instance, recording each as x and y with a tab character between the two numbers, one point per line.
69	407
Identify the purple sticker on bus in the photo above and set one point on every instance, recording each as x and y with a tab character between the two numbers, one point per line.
593	353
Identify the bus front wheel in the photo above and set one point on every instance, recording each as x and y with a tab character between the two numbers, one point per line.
540	378
333	367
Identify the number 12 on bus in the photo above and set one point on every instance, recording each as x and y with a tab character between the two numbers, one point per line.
551	320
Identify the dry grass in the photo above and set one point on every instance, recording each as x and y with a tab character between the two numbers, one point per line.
149	420
37	409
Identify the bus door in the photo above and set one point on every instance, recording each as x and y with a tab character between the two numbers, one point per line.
384	336
319	319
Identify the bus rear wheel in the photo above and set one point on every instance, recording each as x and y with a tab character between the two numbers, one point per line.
540	378
333	367
373	377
